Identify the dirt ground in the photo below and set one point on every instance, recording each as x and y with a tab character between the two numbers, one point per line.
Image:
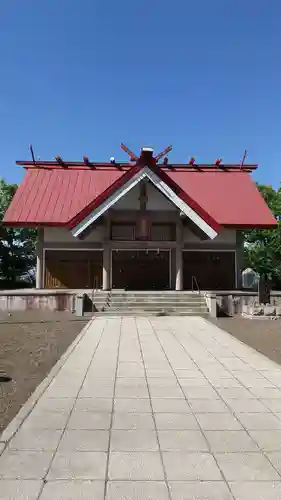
30	344
262	335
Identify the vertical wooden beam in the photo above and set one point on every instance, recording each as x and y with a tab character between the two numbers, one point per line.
239	259
179	260
106	267
89	271
39	259
106	260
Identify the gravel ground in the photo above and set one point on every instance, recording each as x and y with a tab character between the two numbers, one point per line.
30	344
262	335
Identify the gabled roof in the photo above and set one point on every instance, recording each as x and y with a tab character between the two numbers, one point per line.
163	183
51	195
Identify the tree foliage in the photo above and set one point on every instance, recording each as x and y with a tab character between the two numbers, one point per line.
263	247
17	246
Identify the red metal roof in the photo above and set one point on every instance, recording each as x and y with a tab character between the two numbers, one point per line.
56	195
230	197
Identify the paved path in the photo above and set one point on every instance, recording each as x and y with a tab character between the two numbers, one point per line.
196	416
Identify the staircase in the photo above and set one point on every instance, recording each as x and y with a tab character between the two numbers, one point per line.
170	303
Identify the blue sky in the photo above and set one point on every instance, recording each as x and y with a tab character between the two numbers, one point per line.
79	77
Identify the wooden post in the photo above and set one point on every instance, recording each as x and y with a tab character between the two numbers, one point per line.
179	264
106	255
39	259
106	268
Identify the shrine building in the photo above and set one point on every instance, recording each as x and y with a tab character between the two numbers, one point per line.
141	225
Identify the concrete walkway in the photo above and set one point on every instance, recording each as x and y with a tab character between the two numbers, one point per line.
151	409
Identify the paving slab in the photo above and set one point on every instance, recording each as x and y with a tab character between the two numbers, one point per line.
150	408
246	466
19	464
267	440
137	490
132	405
261	421
84	440
141	466
183	466
256	490
199	490
139	440
83	419
36	439
231	441
133	421
170	405
218	421
70	490
78	465
20	489
182	441
175	421
208	406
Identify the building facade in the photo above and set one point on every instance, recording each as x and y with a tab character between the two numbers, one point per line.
138	226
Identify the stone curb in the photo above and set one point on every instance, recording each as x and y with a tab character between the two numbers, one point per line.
28	406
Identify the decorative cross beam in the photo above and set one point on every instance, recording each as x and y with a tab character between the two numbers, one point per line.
137	159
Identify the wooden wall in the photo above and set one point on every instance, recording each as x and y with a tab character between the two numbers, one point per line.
73	269
213	270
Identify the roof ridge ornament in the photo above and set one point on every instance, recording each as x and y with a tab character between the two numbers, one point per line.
147	155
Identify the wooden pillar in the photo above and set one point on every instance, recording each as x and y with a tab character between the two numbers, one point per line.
106	267
179	264
106	260
39	259
239	259
179	273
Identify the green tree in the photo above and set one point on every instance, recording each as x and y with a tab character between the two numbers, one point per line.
17	246
263	247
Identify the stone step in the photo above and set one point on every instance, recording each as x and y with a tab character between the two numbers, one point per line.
157	305
158	310
148	313
152	296
191	300
154	293
148	303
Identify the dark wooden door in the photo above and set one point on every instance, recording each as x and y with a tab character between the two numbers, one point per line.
212	270
140	270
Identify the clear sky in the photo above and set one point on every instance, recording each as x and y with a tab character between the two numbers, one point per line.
80	76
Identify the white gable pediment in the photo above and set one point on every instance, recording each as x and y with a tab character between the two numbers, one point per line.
163	189
155	200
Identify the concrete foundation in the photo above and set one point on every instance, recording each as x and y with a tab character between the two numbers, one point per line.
229	303
45	300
